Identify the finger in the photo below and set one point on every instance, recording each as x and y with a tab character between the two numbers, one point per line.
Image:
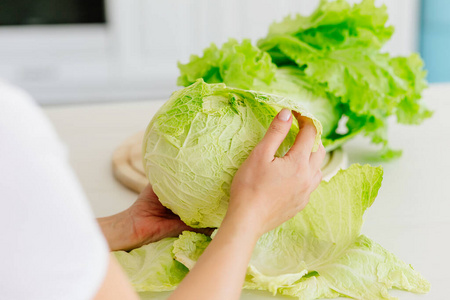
317	179
147	192
276	133
304	141
316	158
170	229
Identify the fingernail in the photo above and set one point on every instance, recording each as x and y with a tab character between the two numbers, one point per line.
284	114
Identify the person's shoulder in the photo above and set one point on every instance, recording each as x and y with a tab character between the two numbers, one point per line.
15	103
23	123
12	97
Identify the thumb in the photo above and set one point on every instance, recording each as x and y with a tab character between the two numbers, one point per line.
276	133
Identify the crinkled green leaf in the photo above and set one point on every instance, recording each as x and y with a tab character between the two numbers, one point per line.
410	109
338	46
188	248
337	23
199	138
320	253
239	65
291	82
331	63
152	267
366	271
328	225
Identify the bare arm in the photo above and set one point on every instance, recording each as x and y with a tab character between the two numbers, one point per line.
220	272
115	285
265	192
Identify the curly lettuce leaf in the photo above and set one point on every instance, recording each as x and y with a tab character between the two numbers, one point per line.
338	46
410	109
331	63
338	23
239	65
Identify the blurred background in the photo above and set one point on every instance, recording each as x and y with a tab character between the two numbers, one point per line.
75	51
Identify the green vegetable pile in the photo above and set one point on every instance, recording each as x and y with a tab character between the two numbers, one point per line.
326	67
331	63
193	147
320	253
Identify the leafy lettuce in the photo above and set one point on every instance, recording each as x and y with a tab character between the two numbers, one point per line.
333	58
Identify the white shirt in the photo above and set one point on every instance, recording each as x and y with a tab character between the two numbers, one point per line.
50	244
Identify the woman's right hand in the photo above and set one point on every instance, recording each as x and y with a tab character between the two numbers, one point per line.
267	190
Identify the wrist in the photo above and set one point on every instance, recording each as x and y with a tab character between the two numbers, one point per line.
242	222
119	231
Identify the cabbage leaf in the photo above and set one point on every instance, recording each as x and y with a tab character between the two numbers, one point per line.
152	267
321	252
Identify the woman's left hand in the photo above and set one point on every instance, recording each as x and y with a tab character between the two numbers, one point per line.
146	221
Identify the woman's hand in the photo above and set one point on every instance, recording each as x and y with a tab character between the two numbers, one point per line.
269	190
146	221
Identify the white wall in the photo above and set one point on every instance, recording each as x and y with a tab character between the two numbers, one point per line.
135	56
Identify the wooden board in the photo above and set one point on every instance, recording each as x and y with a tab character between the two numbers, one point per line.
127	164
128	168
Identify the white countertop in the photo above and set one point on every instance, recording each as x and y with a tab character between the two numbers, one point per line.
410	217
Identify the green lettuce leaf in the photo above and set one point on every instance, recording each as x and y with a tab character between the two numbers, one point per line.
152	267
410	109
338	23
239	65
320	252
367	271
338	46
189	246
331	63
291	82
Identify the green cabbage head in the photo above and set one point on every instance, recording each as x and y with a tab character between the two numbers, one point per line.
196	142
